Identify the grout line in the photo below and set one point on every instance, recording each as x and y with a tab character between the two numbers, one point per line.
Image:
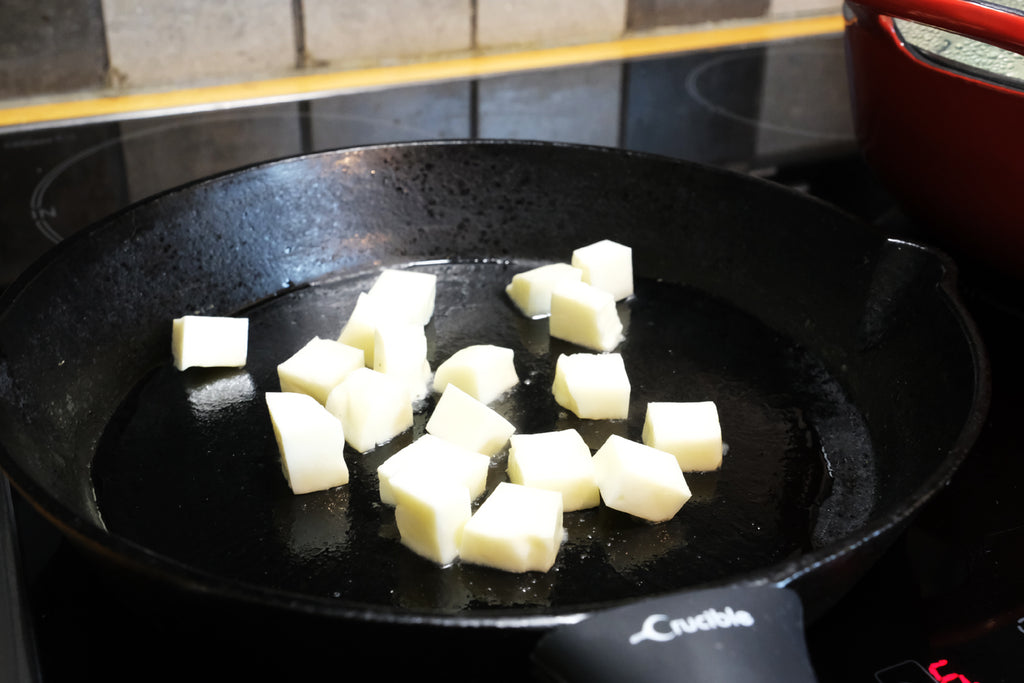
334	83
301	62
474	17
299	27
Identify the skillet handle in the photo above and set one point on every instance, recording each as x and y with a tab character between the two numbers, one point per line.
988	23
737	633
18	657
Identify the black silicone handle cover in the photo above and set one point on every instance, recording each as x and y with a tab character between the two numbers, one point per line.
735	633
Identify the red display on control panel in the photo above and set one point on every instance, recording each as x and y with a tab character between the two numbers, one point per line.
913	672
935	670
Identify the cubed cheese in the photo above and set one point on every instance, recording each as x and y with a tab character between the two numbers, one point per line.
688	430
516	529
372	407
557	461
639	480
431	512
310	440
409	293
531	290
360	328
585	315
484	371
431	454
607	265
594	386
462	419
318	367
400	350
209	341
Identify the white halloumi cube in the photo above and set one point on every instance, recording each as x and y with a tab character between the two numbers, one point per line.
431	454
361	326
462	419
431	512
516	529
310	440
639	480
557	461
690	431
318	367
530	290
400	350
409	293
585	315
607	265
593	386
484	371
209	341
373	408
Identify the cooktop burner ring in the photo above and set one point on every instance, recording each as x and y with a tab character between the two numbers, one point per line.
788	122
43	215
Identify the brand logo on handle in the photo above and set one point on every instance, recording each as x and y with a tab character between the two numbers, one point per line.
660	628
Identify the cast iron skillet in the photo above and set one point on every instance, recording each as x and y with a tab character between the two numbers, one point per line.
849	379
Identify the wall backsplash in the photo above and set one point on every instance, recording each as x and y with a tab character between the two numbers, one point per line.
56	48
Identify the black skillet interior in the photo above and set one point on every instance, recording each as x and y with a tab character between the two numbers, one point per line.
849	382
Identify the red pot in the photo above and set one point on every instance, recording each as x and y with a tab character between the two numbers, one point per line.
945	138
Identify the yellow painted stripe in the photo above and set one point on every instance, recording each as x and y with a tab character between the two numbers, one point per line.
314	84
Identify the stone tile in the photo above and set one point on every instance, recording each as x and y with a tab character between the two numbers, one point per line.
192	42
546	23
421	112
356	31
652	14
785	8
49	46
545	105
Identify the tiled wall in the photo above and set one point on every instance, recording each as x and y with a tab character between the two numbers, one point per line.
61	47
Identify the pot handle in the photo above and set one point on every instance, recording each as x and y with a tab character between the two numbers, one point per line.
984	21
744	633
